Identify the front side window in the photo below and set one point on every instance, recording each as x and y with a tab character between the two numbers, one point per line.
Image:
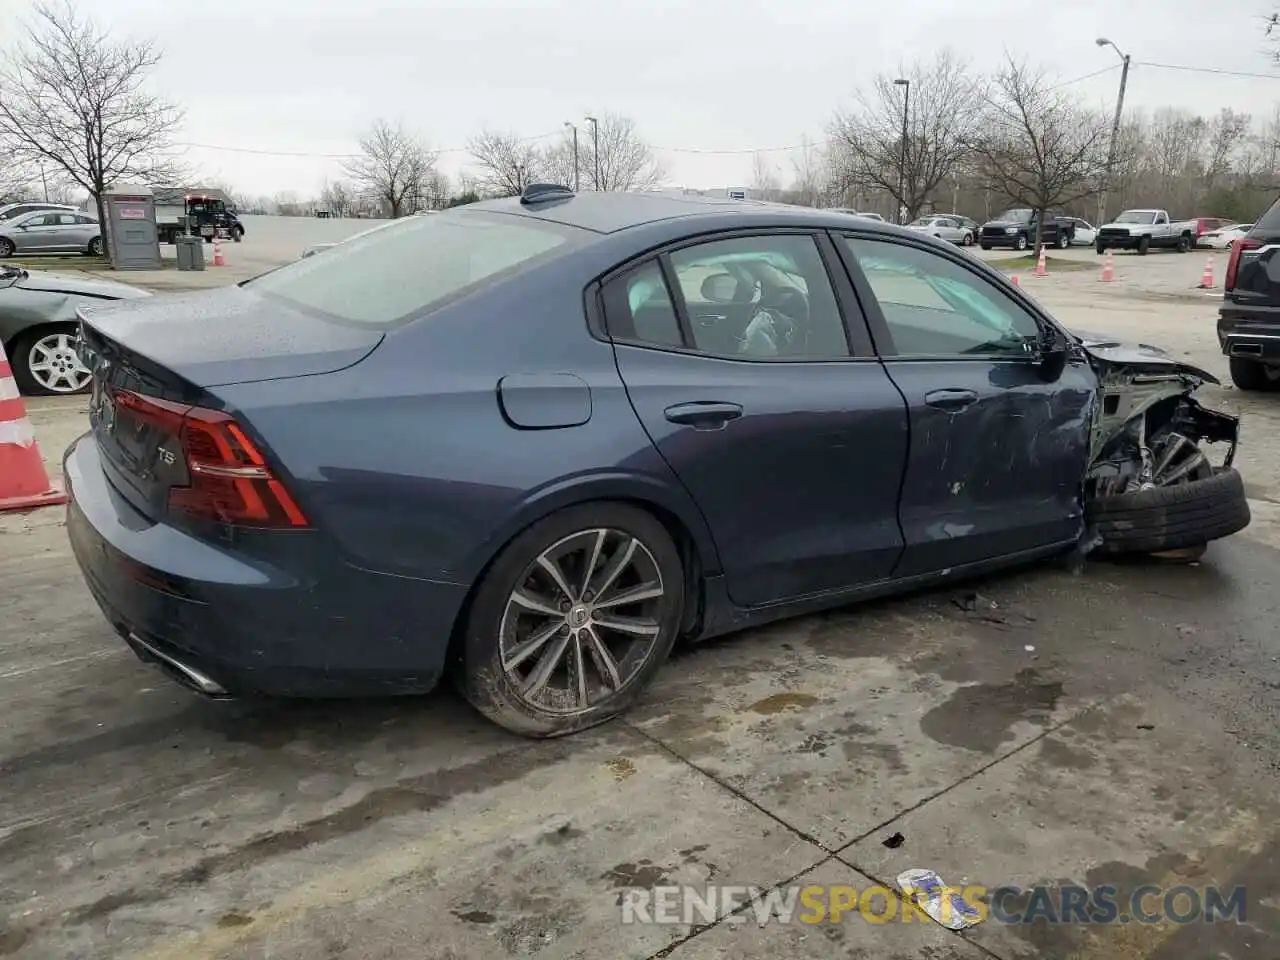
395	272
935	307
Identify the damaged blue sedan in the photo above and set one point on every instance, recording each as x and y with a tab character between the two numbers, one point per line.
532	442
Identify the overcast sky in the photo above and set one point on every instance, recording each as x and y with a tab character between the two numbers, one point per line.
701	78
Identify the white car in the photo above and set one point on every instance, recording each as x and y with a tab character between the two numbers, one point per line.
855	213
1224	237
944	228
1083	233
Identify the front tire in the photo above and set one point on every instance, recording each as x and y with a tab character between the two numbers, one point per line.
1020	243
986	246
1100	248
1172	517
572	620
1144	245
966	240
237	234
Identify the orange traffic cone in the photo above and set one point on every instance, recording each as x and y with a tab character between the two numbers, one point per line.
1042	268
23	481
1108	268
1014	280
1206	278
218	260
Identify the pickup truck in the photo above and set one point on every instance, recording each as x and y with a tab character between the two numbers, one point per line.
1143	229
1017	228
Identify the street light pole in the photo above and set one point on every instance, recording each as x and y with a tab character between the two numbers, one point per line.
574	127
595	149
1115	129
902	163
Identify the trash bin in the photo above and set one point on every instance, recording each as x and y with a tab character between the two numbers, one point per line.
190	252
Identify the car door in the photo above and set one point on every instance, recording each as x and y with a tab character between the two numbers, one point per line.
30	234
949	229
64	233
775	416
997	454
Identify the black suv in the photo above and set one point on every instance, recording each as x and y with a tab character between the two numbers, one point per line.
1249	319
1017	228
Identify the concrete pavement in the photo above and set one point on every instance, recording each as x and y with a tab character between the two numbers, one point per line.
1115	724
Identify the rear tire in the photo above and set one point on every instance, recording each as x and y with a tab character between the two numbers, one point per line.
986	246
496	648
1184	243
6	247
95	247
1064	241
1170	518
1252	375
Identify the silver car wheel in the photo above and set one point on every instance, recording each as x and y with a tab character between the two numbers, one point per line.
582	621
55	365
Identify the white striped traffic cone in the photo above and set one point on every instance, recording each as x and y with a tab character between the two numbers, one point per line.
24	484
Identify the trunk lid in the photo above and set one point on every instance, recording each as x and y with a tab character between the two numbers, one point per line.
229	335
172	351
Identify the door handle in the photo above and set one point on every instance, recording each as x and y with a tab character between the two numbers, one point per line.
704	414
952	399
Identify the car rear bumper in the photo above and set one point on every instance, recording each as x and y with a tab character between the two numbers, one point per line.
1249	332
226	625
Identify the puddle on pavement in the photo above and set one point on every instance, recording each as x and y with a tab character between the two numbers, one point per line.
981	716
779	702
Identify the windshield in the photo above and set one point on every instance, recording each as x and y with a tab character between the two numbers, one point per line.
1018	215
921	222
1137	216
393	273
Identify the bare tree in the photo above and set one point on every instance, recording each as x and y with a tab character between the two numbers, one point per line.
338	196
556	163
72	96
765	182
625	161
1227	133
508	162
808	173
392	167
1036	145
940	100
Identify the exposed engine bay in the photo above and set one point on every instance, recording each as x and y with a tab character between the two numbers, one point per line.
1148	430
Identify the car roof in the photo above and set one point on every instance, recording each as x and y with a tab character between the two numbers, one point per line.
610	212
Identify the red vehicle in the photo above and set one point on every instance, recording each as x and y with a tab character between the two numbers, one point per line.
1209	224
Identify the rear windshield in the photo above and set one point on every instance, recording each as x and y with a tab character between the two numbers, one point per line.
391	274
1270	221
1137	216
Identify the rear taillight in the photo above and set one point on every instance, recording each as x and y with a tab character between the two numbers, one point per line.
1233	262
230	481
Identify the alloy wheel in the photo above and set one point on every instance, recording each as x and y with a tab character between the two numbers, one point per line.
55	365
582	621
6	247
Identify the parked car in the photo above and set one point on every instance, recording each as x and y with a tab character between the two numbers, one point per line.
533	441
11	210
1143	230
1016	228
1083	233
38	325
969	223
1205	225
1249	318
855	213
944	228
51	231
1224	238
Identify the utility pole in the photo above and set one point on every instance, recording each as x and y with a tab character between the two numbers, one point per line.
45	181
902	164
595	148
574	127
1115	129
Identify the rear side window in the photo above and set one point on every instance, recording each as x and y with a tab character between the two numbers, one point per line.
392	274
1269	222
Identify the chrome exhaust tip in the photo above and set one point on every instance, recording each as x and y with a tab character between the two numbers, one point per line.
198	680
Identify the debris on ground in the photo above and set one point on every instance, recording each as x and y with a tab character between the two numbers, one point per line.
944	904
